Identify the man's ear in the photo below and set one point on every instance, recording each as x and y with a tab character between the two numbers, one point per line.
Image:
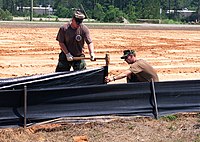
133	55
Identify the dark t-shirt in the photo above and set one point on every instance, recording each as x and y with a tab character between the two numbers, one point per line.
143	71
74	38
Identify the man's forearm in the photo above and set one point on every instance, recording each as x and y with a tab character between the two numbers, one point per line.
120	76
91	47
63	48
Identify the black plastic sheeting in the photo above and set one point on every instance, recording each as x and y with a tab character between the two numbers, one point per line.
178	96
101	99
59	79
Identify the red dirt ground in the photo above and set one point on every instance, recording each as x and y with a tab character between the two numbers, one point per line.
174	54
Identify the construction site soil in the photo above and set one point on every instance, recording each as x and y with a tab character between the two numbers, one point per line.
31	49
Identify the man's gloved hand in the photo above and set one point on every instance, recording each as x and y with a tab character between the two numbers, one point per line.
92	56
69	57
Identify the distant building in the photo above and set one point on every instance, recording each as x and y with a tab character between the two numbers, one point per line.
183	13
39	10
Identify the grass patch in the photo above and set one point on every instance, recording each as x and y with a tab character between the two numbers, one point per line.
169	117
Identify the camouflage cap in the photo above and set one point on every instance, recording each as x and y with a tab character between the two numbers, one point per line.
127	52
79	14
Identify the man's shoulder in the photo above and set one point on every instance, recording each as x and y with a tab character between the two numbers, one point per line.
142	63
65	26
84	27
138	62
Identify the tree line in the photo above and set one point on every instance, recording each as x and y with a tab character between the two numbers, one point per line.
109	10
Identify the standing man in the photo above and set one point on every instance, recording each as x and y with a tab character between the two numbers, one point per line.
71	38
139	71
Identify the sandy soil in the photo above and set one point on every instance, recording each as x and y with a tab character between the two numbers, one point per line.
174	54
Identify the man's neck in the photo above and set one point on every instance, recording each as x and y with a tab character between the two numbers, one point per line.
73	26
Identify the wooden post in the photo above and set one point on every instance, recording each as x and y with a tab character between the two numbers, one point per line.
107	58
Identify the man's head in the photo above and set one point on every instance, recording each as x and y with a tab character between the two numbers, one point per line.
78	16
129	56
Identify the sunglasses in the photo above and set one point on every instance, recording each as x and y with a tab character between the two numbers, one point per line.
78	21
126	57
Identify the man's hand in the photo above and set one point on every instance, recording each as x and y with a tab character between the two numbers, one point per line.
69	57
109	79
92	56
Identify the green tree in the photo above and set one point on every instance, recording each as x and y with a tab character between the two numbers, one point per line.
151	9
130	11
5	15
74	3
98	12
196	4
58	3
103	9
113	14
140	9
7	5
63	12
1	3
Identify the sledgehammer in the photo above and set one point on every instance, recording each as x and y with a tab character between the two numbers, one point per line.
106	58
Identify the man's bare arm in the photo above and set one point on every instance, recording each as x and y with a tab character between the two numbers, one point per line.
91	50
63	48
120	76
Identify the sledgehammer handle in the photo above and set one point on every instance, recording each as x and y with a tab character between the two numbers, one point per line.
107	58
86	58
